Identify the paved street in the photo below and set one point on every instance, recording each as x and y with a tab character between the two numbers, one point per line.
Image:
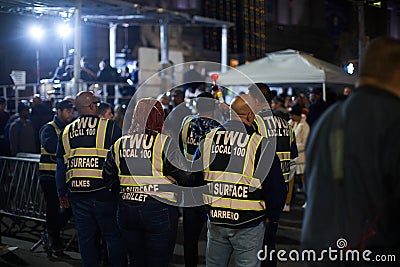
288	239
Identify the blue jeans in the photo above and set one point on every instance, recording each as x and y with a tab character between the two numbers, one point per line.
90	213
243	243
149	231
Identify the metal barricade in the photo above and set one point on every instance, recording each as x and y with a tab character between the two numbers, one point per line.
20	194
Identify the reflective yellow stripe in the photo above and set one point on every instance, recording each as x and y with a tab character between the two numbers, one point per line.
101	133
248	168
65	141
230	177
116	154
283	155
291	134
44	152
236	204
86	173
54	124
129	180
262	128
88	152
47	166
208	141
185	130
157	162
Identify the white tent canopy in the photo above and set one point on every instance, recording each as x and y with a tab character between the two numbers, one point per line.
287	67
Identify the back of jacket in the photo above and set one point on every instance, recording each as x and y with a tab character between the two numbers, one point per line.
353	166
84	145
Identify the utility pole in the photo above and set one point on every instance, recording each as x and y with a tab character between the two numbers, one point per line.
361	31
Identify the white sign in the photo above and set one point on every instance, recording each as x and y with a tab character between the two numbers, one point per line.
19	79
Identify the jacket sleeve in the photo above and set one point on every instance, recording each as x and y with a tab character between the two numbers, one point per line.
48	138
301	138
273	185
61	169
276	191
110	168
116	132
176	165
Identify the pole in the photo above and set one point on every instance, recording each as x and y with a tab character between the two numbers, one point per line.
224	49
37	67
64	48
113	42
361	31
77	47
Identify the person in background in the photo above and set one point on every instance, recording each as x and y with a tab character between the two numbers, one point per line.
278	106
175	118
56	219
353	167
301	129
81	150
317	107
41	113
165	102
88	72
22	133
4	117
275	128
119	112
347	91
108	74
104	111
195	127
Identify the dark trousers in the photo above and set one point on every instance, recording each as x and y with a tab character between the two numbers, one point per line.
270	244
56	217
193	220
149	231
90	213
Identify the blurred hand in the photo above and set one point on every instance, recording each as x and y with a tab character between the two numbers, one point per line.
64	201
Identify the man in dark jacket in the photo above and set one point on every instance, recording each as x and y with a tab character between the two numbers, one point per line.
55	219
353	166
245	186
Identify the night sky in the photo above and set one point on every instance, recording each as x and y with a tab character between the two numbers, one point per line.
18	48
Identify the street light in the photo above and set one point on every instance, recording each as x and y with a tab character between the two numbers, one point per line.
37	33
64	31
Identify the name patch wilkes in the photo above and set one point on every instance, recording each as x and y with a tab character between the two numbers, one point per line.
84	126
137	146
276	126
226	139
80	183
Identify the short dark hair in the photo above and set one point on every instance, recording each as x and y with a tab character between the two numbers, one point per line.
2	100
102	108
256	88
205	102
381	59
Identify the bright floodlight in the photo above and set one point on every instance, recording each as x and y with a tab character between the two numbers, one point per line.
36	32
64	30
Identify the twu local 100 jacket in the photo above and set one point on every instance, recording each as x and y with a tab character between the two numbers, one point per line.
243	175
81	152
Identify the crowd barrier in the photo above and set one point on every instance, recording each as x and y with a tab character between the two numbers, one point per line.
22	205
20	193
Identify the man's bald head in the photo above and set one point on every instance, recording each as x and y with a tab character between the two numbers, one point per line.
241	108
86	103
